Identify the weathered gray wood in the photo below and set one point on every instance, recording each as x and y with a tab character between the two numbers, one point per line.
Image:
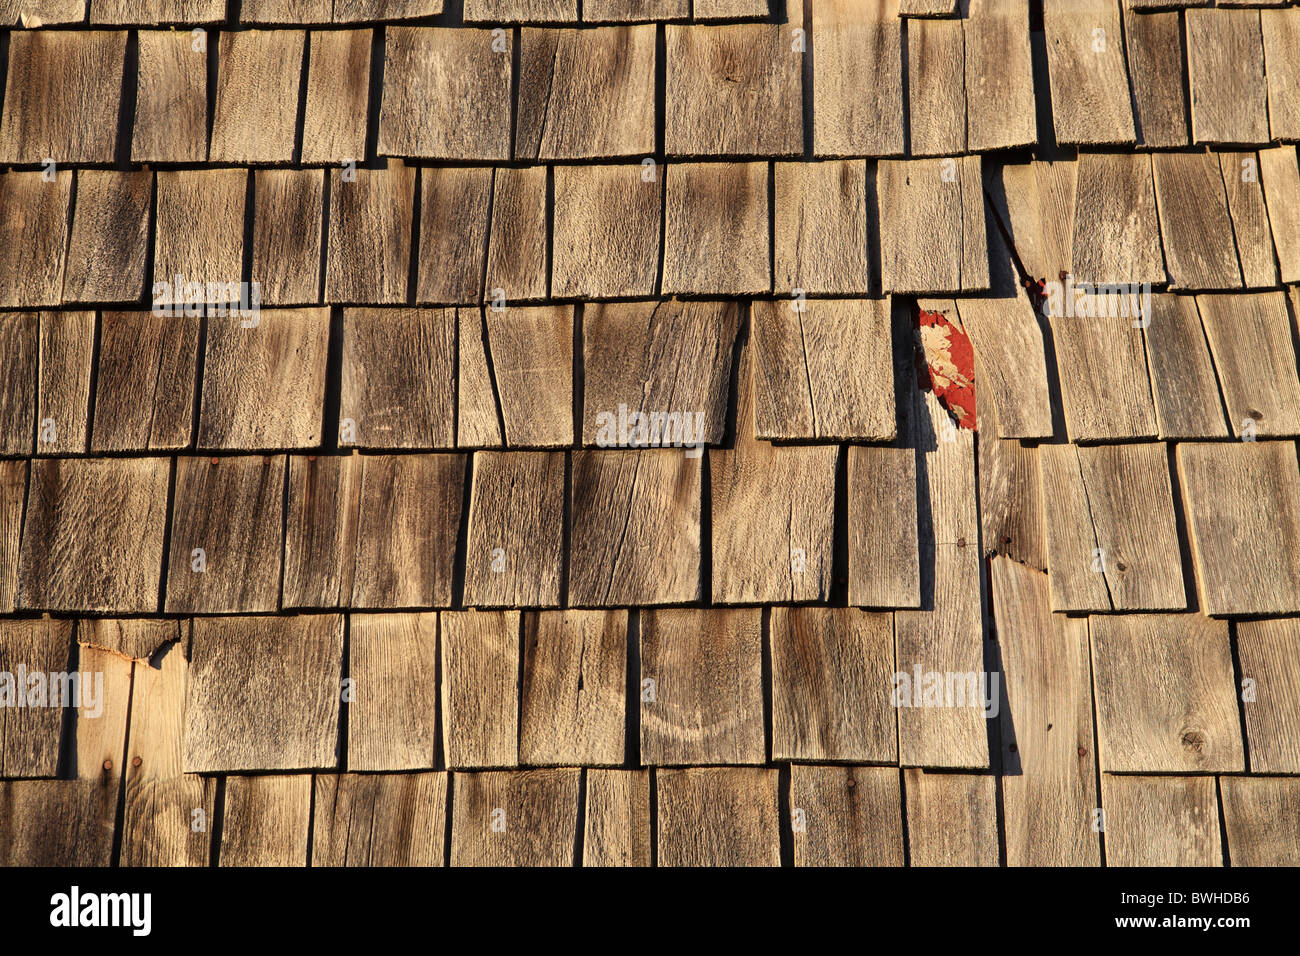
320	543
1154	42
1280	176
718	816
1250	339
392	662
1281	34
532	358
193	266
1183	383
716	229
171	112
369	255
521	11
1116	227
267	820
137	639
258	75
624	11
1011	493
617	818
1250	226
334	121
454	206
1262	817
20	353
1088	75
29	732
287	232
480	688
1225	72
852	816
857	78
1105	387
144	383
1160	821
517	263
1040	213
388	819
1009	341
1194	225
477	424
110	237
951	818
932	233
515	818
63	387
155	11
1270	658
606	231
821	228
57	822
999	76
13	492
884	563
33	237
936	98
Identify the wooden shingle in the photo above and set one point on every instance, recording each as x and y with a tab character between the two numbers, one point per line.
884	567
1105	387
617	818
171	112
62	96
857	79
199	265
1009	342
267	821
718	816
334	121
852	816
999	76
1247	493
57	822
729	9
370	235
932	233
263	693
521	11
1154	42
701	695
1049	778
574	688
20	337
773	512
1194	224
1280	175
264	385
1112	539
137	639
478	423
258	76
586	94
635	533
33	14
1089	77
1250	225
446	94
951	818
13	491
927	8
366	11
1225	72
1160	821
607	223
480	688
1262	817
93	749
515	550
63	389
1183	383
33	237
399	378
110	237
634	11
517	259
733	90
226	544
388	819
29	732
1165	693
1010	492
392	662
406	530
1040	214
831	672
665	357
321	530
149	12
1116	227
1250	339
454	205
287	232
93	535
1281	33
936	100
515	818
532	357
144	382
821	228
1269	651
716	229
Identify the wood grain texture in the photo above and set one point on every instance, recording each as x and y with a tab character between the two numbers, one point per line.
392	662
406	530
20	353
29	735
1225	72
716	229
93	750
364	11
67	356
532	357
718	816
1011	494
454	206
1280	175
821	228
852	816
884	562
665	356
480	688
586	94
606	231
517	261
1195	228
110	237
1116	226
1112	537
1247	493
62	96
729	9
1105	386
932	234
1154	43
1161	821
370	235
138	639
263	693
1183	382
334	121
1165	693
379	819
514	551
705	702
1007	335
287	231
936	99
1250	339
733	90
617	829
624	11
1088	74
320	542
521	11
1039	198
1049	786
857	79
264	386
951	818
33	238
927	8
999	76
1250	226
267	820
399	378
258	76
1281	35
93	535
1268	653
446	94
171	118
635	533
772	511
477	406
13	491
1262	817
57	822
823	373
156	11
185	257
832	670
574	688
515	818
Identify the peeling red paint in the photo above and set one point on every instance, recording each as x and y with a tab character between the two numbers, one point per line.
950	362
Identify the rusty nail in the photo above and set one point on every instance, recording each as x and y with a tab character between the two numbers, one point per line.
961	542
212	460
266	459
135	762
311	457
1083	751
108	765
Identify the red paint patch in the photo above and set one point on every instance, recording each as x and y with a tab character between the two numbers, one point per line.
950	360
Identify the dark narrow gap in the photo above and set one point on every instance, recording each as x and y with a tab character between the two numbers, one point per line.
250	204
786	826
235	11
119	814
1132	86
211	45
96	346
311	821
902	803
550	225
704	596
462	538
904	75
654	817
661	174
218	822
1180	528
515	57
375	98
1099	816
1185	74
300	115
200	363
285	473
661	89
146	293
324	237
580	830
447	819
766	671
527	628
329	433
439	752
771	226
632	715
874	279
1223	822
1232	220
65	766
492	375
344	706
4	65
809	119
839	593
126	105
1239	676
487	248
167	533
413	260
1045	139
